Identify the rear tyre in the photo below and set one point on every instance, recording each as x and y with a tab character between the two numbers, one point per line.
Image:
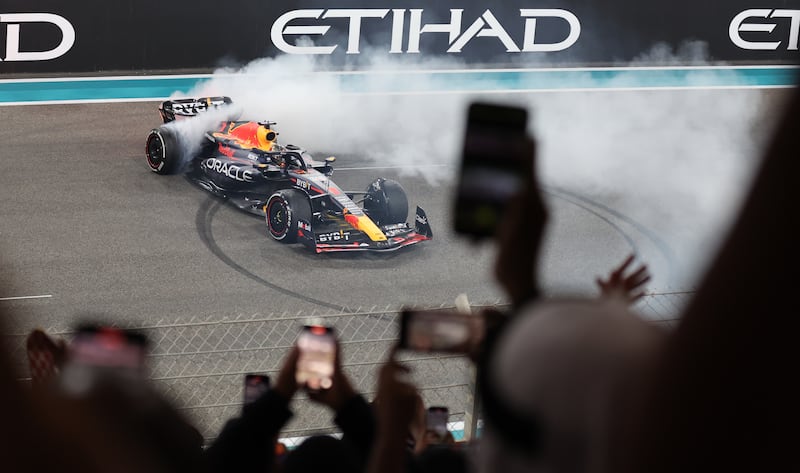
386	202
162	150
283	211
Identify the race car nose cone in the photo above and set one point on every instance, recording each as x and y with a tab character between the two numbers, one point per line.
367	226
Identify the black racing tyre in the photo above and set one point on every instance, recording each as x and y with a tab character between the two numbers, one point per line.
386	202
282	212
162	150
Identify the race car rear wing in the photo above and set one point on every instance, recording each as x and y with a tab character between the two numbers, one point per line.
171	110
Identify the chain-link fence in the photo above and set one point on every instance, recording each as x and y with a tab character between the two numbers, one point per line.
200	364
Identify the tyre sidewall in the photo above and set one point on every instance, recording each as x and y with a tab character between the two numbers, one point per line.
157	165
280	199
170	151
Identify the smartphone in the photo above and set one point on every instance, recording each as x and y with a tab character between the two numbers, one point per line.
439	331
255	385
108	347
436	419
315	364
99	354
496	155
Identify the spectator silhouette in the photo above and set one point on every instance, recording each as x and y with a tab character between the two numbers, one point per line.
243	443
117	423
723	397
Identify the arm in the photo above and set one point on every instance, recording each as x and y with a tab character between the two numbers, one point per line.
353	415
398	402
247	442
519	238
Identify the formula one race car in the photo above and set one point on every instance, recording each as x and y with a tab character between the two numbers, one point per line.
243	162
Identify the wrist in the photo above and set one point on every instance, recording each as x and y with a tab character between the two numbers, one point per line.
522	298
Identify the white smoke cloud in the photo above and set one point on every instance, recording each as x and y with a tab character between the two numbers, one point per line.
677	160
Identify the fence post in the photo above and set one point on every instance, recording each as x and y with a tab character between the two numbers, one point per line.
473	407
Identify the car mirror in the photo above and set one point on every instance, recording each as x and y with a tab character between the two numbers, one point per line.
328	169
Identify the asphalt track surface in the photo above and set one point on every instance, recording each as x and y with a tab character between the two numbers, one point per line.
86	223
87	231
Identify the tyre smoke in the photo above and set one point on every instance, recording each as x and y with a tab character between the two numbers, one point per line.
677	160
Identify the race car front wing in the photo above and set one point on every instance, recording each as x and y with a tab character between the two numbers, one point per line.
397	236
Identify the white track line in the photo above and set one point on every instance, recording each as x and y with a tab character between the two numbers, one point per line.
409	166
18	298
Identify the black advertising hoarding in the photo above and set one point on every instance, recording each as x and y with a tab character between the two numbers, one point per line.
49	36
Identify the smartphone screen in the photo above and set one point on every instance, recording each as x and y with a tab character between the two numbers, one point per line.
439	331
495	157
316	362
98	354
255	385
436	419
107	347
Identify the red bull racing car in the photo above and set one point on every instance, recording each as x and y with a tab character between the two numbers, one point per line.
242	162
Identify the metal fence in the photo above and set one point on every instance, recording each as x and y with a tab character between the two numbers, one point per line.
200	363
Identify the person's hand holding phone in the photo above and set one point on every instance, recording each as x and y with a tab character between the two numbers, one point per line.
315	366
340	391
255	386
519	239
494	164
498	194
397	404
286	383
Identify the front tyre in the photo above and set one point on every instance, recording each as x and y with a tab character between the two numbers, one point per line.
386	202
283	211
162	150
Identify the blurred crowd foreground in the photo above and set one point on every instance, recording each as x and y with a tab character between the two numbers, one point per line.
566	385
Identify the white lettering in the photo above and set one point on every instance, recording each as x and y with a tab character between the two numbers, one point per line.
13	33
415	28
495	30
529	42
398	23
794	26
355	17
334	236
281	28
487	25
739	25
229	170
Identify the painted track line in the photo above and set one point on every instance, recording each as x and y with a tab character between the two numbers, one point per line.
19	298
408	166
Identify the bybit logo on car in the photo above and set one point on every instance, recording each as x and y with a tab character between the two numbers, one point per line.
407	28
13	26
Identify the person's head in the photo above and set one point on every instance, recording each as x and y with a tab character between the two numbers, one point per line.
442	459
557	385
321	453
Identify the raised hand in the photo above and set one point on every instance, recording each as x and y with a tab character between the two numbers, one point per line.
624	287
286	384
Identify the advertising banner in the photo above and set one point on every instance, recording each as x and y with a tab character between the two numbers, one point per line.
53	36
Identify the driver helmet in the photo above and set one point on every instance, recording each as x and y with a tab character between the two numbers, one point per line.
266	138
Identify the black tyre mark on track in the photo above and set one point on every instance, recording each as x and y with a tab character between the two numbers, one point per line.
660	244
628	238
205	215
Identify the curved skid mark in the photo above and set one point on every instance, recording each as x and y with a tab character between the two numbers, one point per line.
628	239
660	244
205	215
